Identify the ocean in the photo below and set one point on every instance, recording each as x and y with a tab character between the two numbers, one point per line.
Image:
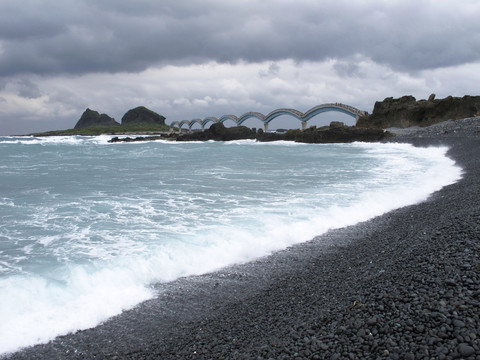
87	227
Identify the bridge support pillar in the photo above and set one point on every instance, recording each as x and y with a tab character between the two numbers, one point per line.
266	127
304	125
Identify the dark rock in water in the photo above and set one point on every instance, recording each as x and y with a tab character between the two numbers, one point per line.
333	134
219	132
340	134
116	139
91	118
142	115
275	136
407	111
337	132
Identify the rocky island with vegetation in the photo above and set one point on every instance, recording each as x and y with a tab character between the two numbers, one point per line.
139	120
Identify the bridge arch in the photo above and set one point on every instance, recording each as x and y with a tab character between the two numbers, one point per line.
346	109
279	112
207	120
228	117
195	121
249	115
184	122
303	117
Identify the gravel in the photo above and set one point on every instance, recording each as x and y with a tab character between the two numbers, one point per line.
405	285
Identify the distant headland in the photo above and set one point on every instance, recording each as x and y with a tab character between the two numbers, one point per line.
403	112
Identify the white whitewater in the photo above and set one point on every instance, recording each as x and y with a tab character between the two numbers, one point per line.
87	227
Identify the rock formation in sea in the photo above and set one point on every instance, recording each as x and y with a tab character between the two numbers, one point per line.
407	111
335	133
219	132
142	115
91	118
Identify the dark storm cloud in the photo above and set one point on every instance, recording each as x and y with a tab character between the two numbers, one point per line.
79	36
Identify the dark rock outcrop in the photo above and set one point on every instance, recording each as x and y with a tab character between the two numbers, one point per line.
275	136
91	118
340	134
219	132
162	136
135	139
335	133
142	115
407	111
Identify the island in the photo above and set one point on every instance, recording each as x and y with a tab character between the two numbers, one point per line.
139	120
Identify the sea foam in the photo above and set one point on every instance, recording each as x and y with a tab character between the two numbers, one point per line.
75	255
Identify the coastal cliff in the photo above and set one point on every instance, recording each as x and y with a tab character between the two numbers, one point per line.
407	111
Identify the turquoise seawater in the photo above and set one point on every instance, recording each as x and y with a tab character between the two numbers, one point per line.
86	227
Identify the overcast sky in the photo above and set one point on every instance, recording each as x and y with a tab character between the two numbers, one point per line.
193	59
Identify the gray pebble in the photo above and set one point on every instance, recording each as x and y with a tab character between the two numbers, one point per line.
465	350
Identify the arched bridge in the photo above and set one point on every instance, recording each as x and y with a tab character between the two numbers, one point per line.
266	119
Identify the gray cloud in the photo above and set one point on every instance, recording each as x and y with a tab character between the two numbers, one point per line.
80	36
28	89
273	70
347	69
189	59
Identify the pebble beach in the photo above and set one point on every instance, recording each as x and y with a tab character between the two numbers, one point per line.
404	285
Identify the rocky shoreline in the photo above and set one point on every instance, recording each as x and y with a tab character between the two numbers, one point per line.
335	133
405	285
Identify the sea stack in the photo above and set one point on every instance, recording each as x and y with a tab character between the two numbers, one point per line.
142	115
91	118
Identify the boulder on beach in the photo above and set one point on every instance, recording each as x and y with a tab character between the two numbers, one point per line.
142	115
91	118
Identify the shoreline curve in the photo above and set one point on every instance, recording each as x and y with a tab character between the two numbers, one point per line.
402	285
